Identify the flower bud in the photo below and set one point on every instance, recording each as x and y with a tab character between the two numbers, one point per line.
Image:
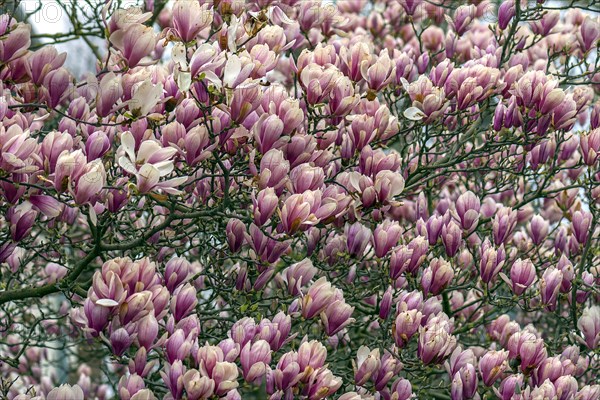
96	145
386	235
590	31
467	210
264	205
401	388
120	340
506	12
66	392
492	261
22	218
589	325
550	287
464	383
410	6
406	325
255	359
173	378
522	275
177	272
451	238
336	317
463	16
504	223
538	229
178	346
510	387
235	230
580	223
184	301
436	277
358	237
386	303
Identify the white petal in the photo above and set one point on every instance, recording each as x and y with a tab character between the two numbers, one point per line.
146	96
178	55
106	303
127	165
213	78
94	219
232	70
147	178
414	114
184	80
205	48
116	38
276	11
405	83
128	143
164	167
232	33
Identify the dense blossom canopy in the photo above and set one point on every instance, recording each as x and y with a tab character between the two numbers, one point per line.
297	200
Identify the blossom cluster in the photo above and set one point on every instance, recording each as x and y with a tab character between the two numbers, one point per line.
380	200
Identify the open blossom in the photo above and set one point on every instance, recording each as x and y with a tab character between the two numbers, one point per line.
322	383
299	275
408	258
190	18
528	348
300	211
65	392
318	81
379	72
196	386
149	163
363	200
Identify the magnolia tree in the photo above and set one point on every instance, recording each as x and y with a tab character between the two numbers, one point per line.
294	200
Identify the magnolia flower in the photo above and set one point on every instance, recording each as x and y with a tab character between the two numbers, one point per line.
145	97
149	164
135	41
